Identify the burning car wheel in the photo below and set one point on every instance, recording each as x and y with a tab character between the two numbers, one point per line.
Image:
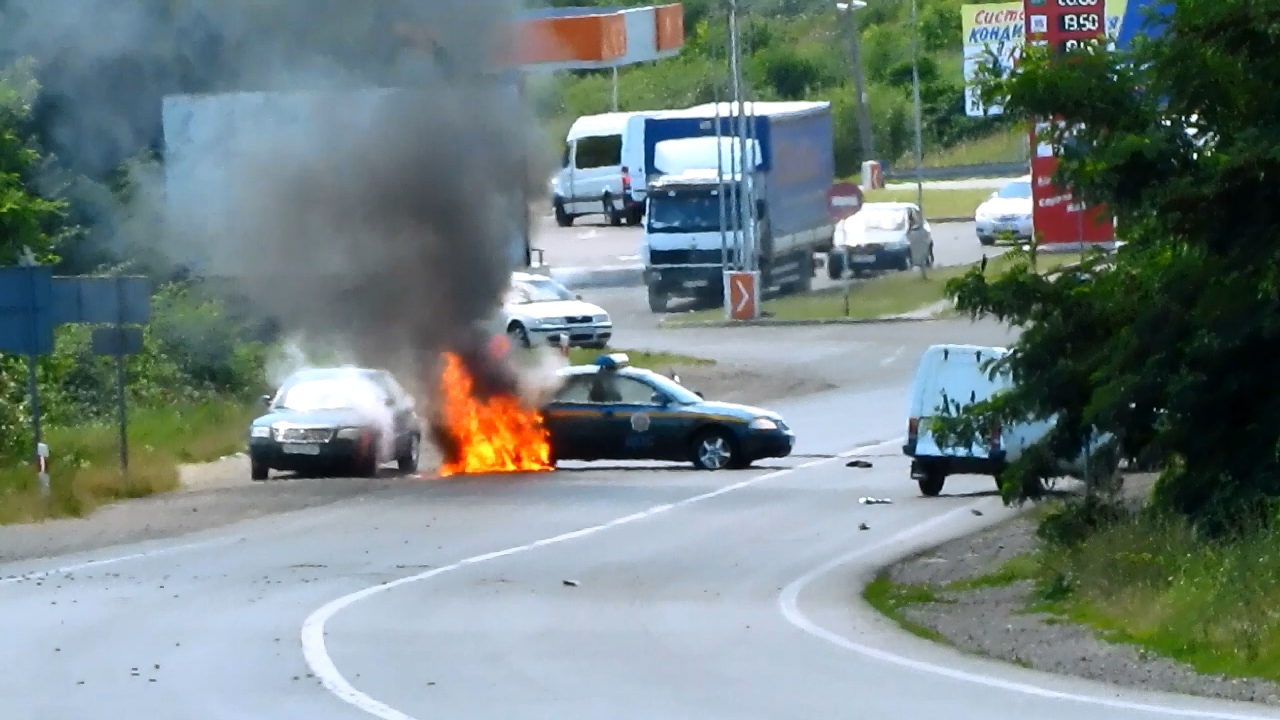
715	450
408	461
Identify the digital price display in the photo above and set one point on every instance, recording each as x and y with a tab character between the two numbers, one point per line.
1084	22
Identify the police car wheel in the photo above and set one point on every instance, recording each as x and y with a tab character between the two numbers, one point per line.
714	450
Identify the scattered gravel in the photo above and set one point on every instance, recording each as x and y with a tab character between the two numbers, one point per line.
994	622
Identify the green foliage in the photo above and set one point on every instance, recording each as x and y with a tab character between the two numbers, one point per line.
1170	347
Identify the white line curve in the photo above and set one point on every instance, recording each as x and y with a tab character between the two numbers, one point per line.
788	603
316	653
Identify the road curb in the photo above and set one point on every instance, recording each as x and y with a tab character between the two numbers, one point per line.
677	325
610	276
951	219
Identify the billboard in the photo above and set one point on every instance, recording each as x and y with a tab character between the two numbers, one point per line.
1057	216
999	28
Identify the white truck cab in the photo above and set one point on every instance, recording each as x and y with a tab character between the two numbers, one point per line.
962	374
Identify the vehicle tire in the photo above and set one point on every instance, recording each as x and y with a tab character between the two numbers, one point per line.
715	449
258	470
635	216
408	460
657	300
365	466
932	482
563	219
987	240
518	335
611	212
906	261
835	265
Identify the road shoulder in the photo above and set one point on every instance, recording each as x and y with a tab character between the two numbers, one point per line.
969	593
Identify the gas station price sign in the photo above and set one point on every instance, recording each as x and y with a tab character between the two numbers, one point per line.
1065	25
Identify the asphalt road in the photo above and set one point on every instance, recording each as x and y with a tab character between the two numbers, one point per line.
592	243
695	595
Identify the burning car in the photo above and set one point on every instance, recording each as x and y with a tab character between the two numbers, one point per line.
346	421
612	411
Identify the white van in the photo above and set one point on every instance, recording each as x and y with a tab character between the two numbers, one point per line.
961	374
600	172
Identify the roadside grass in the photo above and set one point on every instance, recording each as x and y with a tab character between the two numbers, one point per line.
890	598
937	203
640	358
1000	147
1154	583
84	467
887	295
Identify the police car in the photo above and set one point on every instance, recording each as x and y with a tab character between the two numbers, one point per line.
612	411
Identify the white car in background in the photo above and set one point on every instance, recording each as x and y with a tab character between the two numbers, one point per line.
537	307
1006	212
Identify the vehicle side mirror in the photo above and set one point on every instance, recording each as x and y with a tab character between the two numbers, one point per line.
266	399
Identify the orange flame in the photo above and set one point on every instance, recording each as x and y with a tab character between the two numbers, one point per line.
491	436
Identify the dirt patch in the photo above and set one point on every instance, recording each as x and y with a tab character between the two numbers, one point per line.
736	384
994	621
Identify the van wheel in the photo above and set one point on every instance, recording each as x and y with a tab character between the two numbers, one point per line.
835	265
657	300
563	219
932	482
635	216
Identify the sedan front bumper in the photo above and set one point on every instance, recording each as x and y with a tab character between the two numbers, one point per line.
759	444
298	457
594	335
877	258
990	228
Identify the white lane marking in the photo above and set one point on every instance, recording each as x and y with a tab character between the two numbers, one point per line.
322	666
788	603
66	569
889	360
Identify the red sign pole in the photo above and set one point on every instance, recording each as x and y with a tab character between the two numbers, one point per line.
1059	219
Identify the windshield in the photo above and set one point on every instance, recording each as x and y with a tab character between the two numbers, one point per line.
673	389
1020	190
687	212
884	219
536	291
329	394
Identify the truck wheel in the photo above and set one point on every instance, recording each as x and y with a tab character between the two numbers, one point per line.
563	219
657	300
932	482
635	216
835	265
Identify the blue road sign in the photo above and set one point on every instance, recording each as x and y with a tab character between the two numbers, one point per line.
26	320
96	299
117	341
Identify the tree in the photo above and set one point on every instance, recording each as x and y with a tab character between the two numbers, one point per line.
1172	347
28	221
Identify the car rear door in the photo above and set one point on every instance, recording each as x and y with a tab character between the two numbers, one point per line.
597	168
576	424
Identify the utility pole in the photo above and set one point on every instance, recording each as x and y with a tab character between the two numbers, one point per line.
859	79
915	104
747	253
615	88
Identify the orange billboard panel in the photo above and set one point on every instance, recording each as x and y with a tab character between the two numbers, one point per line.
670	26
578	38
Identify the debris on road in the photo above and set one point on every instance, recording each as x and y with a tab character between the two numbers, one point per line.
863	526
975	511
858	464
571	583
875	501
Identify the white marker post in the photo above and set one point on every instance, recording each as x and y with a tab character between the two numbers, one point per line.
42	457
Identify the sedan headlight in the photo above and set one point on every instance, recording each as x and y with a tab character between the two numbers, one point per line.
260	431
601	318
350	433
763	424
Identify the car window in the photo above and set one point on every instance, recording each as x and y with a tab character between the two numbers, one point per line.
601	151
330	394
577	390
1021	190
634	392
535	291
884	220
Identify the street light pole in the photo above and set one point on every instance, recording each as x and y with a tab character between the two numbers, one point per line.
915	103
859	79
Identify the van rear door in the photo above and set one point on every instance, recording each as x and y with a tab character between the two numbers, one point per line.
957	377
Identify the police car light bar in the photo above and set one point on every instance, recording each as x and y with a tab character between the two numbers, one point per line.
615	360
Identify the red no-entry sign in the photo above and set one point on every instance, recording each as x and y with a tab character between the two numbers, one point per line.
843	200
